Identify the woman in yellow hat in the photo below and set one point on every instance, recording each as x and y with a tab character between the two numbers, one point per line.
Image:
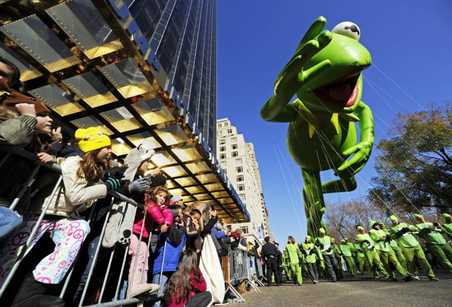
83	184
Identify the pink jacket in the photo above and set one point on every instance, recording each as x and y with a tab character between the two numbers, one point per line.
154	212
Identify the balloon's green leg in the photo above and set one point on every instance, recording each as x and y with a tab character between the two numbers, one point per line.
345	184
314	205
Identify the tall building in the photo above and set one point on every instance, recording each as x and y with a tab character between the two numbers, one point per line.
238	159
139	69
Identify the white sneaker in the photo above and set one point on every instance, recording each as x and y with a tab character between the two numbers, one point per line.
142	289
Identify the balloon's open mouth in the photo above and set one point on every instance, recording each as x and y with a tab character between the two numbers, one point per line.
343	92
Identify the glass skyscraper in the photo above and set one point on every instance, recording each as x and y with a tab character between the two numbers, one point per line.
182	38
140	70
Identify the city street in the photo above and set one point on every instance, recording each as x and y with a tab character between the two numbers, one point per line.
355	293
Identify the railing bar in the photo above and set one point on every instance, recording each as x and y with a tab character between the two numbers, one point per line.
96	254
5	159
122	273
21	254
25	187
106	275
117	303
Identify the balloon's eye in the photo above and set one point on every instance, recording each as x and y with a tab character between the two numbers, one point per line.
349	29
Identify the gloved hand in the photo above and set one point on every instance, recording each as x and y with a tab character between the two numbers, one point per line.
112	183
139	185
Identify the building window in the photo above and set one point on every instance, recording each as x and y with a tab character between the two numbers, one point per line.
230	131
239	169
234	146
222	148
222	142
241	187
244	229
222	156
239	178
235	154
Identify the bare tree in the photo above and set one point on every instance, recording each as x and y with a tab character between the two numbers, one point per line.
341	218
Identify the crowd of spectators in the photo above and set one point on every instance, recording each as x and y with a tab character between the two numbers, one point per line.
59	186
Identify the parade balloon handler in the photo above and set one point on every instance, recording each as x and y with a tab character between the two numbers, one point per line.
325	75
82	187
312	258
447	225
323	242
346	249
436	243
368	247
294	259
410	246
387	255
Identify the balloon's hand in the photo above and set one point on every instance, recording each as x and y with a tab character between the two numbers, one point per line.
361	153
293	74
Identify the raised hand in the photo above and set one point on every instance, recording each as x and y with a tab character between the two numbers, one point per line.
295	73
139	185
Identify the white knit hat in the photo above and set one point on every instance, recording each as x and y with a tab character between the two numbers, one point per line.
135	157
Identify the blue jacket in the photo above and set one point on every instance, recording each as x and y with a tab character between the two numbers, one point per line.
172	256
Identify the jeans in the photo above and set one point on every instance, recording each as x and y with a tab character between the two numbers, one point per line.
9	220
313	271
331	264
89	252
162	282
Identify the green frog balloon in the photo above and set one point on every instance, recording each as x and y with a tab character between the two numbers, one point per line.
325	77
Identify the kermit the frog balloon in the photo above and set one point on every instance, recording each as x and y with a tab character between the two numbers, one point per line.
325	76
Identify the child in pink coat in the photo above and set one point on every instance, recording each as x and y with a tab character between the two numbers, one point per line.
156	211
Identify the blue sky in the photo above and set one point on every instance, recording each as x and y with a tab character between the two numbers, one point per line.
411	45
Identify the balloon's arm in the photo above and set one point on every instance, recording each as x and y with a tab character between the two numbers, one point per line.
361	151
366	122
288	114
293	75
315	29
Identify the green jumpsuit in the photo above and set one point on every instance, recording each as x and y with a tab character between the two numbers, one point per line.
294	255
398	251
286	266
329	260
436	243
386	253
313	256
360	258
368	246
447	225
346	251
410	247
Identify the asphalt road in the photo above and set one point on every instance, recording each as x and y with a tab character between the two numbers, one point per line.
355	293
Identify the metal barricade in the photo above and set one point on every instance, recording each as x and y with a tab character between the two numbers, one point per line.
26	246
242	268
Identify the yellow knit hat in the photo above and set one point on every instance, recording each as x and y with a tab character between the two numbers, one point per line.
91	138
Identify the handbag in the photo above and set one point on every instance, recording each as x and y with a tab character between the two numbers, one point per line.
120	224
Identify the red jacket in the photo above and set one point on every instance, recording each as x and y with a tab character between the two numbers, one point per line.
197	287
154	212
